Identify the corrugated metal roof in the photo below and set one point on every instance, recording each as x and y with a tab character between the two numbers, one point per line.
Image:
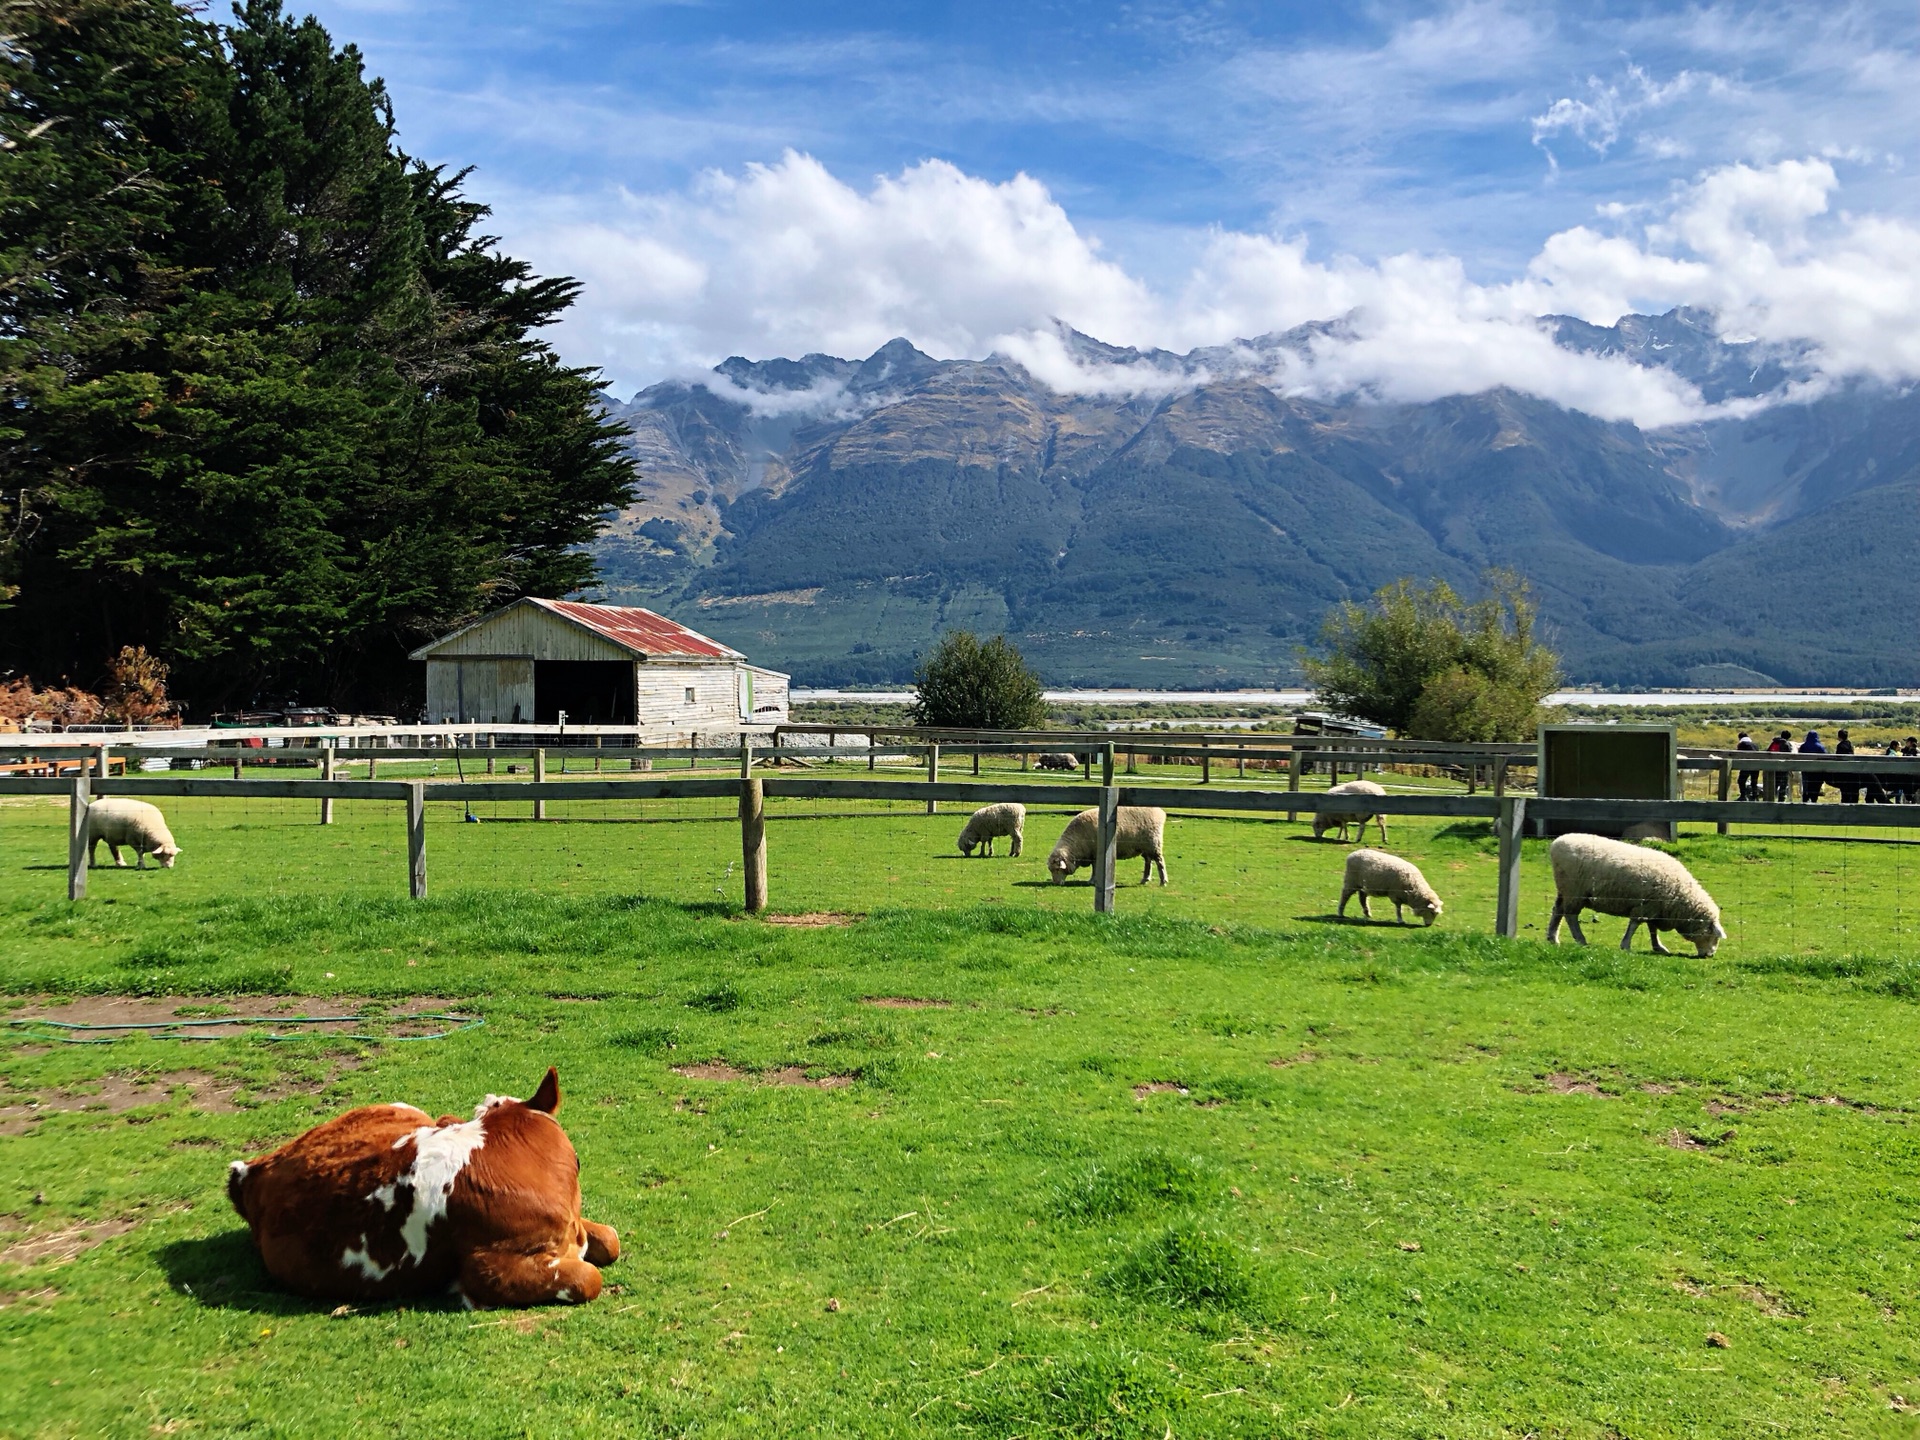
640	631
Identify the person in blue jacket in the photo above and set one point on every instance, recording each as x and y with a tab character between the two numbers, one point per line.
1811	782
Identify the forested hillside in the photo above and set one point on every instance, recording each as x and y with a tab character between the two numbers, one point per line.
274	404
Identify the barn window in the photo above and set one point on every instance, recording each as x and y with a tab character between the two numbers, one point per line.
689	694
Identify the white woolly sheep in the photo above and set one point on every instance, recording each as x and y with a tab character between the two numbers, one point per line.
1325	820
991	821
1142	836
1057	760
1375	872
1647	886
133	823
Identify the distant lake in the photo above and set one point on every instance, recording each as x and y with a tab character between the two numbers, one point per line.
1293	699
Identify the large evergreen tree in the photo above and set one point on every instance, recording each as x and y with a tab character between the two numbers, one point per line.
274	408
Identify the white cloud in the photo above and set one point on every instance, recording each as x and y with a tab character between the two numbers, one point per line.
785	259
1598	121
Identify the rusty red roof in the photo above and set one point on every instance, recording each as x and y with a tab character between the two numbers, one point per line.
640	631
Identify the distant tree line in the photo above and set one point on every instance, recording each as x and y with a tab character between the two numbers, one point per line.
271	405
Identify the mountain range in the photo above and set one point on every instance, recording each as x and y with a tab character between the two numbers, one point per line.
1191	527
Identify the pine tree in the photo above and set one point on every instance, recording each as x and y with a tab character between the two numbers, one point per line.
278	410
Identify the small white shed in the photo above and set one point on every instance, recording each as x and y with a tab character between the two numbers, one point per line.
602	665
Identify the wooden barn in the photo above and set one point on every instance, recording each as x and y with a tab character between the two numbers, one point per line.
602	665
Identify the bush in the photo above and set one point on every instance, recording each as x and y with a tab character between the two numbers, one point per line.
1427	665
967	685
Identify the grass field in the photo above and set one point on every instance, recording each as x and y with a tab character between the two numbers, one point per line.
1214	1166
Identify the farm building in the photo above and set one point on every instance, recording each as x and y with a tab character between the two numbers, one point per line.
602	665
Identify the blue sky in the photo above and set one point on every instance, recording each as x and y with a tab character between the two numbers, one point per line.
649	147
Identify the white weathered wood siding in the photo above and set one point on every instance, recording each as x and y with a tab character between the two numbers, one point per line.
662	707
528	632
494	690
769	695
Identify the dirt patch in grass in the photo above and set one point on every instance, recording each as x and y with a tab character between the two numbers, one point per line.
118	1093
1654	1087
814	919
59	1246
784	1075
1158	1087
712	1070
905	1002
1762	1299
1305	1057
1679	1139
396	1018
1563	1084
16	1297
1717	1108
797	1075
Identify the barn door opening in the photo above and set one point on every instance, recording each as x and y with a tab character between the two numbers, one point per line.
592	692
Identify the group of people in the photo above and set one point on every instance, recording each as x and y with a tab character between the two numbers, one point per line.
1902	788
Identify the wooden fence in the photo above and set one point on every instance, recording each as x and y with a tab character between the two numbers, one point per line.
1508	812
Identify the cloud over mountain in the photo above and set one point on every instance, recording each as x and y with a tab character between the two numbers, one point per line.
788	258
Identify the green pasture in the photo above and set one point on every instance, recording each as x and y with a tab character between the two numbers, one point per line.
1213	1166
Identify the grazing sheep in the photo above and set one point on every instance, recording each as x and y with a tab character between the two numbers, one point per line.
991	821
1374	872
1325	820
1056	760
129	822
1646	886
1142	835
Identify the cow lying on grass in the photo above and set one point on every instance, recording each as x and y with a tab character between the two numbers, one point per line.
385	1201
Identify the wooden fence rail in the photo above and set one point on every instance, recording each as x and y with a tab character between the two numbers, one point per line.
1509	813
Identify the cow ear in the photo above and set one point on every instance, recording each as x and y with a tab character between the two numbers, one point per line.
547	1097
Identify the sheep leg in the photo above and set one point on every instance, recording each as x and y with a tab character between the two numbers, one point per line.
1379	820
139	858
1653	934
1014	854
1570	915
93	852
1161	865
1398	918
1346	895
1626	940
119	861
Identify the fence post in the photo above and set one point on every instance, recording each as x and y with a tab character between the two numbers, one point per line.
492	741
1726	787
77	846
372	763
693	750
976	760
539	778
933	774
1293	778
746	758
1500	778
236	762
106	762
1509	825
1106	766
1105	843
1243	759
1132	768
1206	764
753	843
326	773
417	840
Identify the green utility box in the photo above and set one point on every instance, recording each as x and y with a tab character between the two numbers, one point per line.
1609	762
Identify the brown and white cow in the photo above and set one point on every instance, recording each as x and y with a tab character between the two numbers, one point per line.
386	1201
